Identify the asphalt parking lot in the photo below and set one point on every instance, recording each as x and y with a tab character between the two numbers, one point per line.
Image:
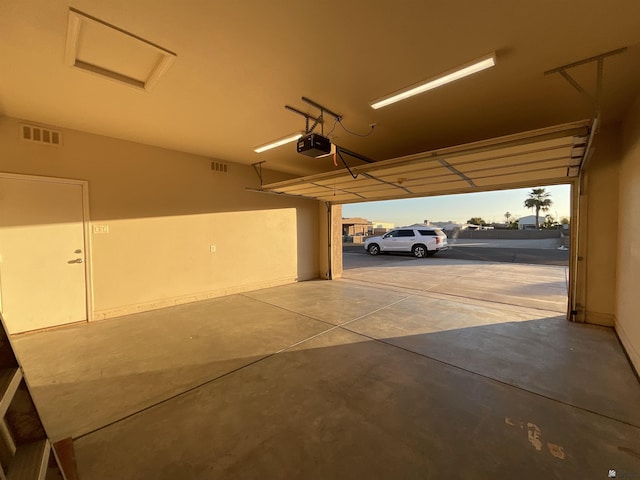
484	252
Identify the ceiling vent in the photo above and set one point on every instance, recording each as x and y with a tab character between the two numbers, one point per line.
32	133
113	53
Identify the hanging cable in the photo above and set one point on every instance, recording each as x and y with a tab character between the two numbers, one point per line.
320	120
371	128
333	127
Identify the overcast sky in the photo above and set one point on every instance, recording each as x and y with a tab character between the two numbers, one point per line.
490	206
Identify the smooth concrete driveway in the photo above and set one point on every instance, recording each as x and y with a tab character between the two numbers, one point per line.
537	286
412	368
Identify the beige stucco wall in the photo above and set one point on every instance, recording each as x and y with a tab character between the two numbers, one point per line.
628	300
164	210
596	279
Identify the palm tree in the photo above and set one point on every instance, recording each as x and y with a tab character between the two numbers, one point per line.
540	200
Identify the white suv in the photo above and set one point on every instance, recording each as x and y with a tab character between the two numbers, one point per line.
420	240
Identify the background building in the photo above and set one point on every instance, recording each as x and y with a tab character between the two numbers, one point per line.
529	222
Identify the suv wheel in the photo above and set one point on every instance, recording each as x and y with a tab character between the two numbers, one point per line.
419	251
374	249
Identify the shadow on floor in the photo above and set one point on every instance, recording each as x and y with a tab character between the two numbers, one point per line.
341	379
342	406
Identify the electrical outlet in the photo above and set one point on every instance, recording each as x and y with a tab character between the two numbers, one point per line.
212	248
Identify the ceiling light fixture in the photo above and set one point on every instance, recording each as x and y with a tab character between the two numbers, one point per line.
465	70
278	143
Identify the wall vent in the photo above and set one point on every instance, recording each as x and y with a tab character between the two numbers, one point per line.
219	167
32	133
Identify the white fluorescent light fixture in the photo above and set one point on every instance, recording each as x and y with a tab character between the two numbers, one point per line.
465	70
277	143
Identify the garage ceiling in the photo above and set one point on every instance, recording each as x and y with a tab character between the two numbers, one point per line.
235	65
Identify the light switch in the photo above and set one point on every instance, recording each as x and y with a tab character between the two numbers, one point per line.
212	248
101	229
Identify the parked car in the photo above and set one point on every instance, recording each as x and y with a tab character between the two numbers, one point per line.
421	241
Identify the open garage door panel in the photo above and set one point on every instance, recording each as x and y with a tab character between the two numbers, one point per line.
546	156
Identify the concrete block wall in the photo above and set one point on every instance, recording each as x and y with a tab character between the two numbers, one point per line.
503	234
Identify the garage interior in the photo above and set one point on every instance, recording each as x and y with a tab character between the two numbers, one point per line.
202	339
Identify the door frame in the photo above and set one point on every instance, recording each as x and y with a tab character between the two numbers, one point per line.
86	226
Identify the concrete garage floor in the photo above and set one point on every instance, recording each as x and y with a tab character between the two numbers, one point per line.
406	368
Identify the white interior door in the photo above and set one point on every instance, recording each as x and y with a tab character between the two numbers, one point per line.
42	253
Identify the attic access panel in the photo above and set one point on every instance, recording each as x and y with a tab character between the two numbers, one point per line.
105	50
545	156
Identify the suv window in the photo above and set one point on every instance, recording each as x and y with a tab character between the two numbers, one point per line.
392	233
406	233
433	233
